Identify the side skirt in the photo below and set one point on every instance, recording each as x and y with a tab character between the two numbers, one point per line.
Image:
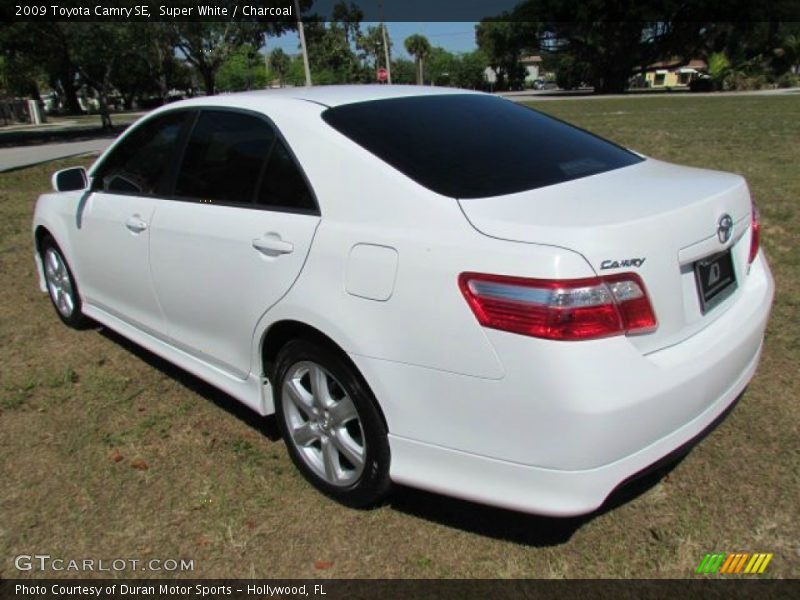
254	392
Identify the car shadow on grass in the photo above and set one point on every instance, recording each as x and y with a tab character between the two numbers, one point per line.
266	426
497	523
512	526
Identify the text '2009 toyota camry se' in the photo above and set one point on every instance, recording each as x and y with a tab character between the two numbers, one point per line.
434	287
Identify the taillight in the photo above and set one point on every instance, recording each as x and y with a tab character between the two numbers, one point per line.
560	309
755	235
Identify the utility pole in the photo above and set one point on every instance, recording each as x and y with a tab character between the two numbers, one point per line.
303	43
385	45
386	54
266	61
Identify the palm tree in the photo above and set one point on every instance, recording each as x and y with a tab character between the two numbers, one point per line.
790	50
419	47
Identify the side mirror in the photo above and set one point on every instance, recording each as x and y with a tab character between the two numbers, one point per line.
70	180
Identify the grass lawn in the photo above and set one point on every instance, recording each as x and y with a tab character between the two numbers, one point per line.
80	411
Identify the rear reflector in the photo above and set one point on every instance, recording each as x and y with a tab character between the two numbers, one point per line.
755	235
565	309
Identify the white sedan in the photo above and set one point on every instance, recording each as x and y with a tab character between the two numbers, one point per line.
434	287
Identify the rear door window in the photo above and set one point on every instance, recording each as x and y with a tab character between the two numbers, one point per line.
224	157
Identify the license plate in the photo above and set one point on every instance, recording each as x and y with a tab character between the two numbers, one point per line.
716	279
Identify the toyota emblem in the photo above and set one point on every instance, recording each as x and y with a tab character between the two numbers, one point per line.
724	228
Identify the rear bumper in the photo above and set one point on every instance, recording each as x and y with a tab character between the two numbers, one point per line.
534	489
570	421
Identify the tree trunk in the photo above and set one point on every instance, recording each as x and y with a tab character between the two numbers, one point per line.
105	116
70	93
163	89
612	82
209	82
34	93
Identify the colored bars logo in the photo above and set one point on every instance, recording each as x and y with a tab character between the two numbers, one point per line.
734	563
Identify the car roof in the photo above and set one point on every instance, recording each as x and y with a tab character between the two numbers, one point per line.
326	95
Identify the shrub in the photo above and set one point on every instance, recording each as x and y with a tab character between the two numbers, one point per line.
788	80
740	81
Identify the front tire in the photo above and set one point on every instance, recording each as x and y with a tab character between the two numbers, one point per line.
330	424
61	286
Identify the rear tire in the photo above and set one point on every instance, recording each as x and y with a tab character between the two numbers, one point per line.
61	286
330	423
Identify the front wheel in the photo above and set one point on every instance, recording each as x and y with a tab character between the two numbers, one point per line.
61	286
330	423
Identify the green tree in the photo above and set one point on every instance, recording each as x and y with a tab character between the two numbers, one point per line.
371	46
208	45
471	70
244	70
149	70
21	73
419	47
103	52
404	71
156	50
279	63
788	53
442	67
718	66
34	49
329	52
350	17
296	75
614	39
570	71
503	42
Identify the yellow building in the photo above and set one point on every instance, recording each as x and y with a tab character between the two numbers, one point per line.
664	75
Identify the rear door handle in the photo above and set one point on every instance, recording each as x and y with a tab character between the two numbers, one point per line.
272	245
135	224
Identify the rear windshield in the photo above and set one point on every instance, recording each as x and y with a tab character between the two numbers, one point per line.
475	146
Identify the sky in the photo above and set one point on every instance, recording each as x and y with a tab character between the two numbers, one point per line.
455	37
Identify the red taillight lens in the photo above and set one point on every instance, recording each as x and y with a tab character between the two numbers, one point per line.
560	309
755	235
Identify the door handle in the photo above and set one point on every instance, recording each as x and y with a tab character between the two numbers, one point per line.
272	245
135	224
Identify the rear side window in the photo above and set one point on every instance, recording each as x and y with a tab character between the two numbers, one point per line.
138	163
475	146
224	157
283	185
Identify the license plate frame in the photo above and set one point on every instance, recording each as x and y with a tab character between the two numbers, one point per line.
715	277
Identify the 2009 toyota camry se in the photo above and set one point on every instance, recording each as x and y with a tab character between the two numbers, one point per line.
427	286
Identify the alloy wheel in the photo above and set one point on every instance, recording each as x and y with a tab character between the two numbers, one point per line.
323	424
58	283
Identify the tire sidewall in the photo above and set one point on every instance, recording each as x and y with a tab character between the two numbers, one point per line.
374	482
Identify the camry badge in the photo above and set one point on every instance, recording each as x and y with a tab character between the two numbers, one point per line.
625	262
724	228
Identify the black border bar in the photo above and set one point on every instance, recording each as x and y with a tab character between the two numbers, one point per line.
607	11
708	586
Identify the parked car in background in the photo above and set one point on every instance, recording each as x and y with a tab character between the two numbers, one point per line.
541	84
428	286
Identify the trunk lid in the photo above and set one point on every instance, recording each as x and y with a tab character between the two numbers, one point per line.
652	218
